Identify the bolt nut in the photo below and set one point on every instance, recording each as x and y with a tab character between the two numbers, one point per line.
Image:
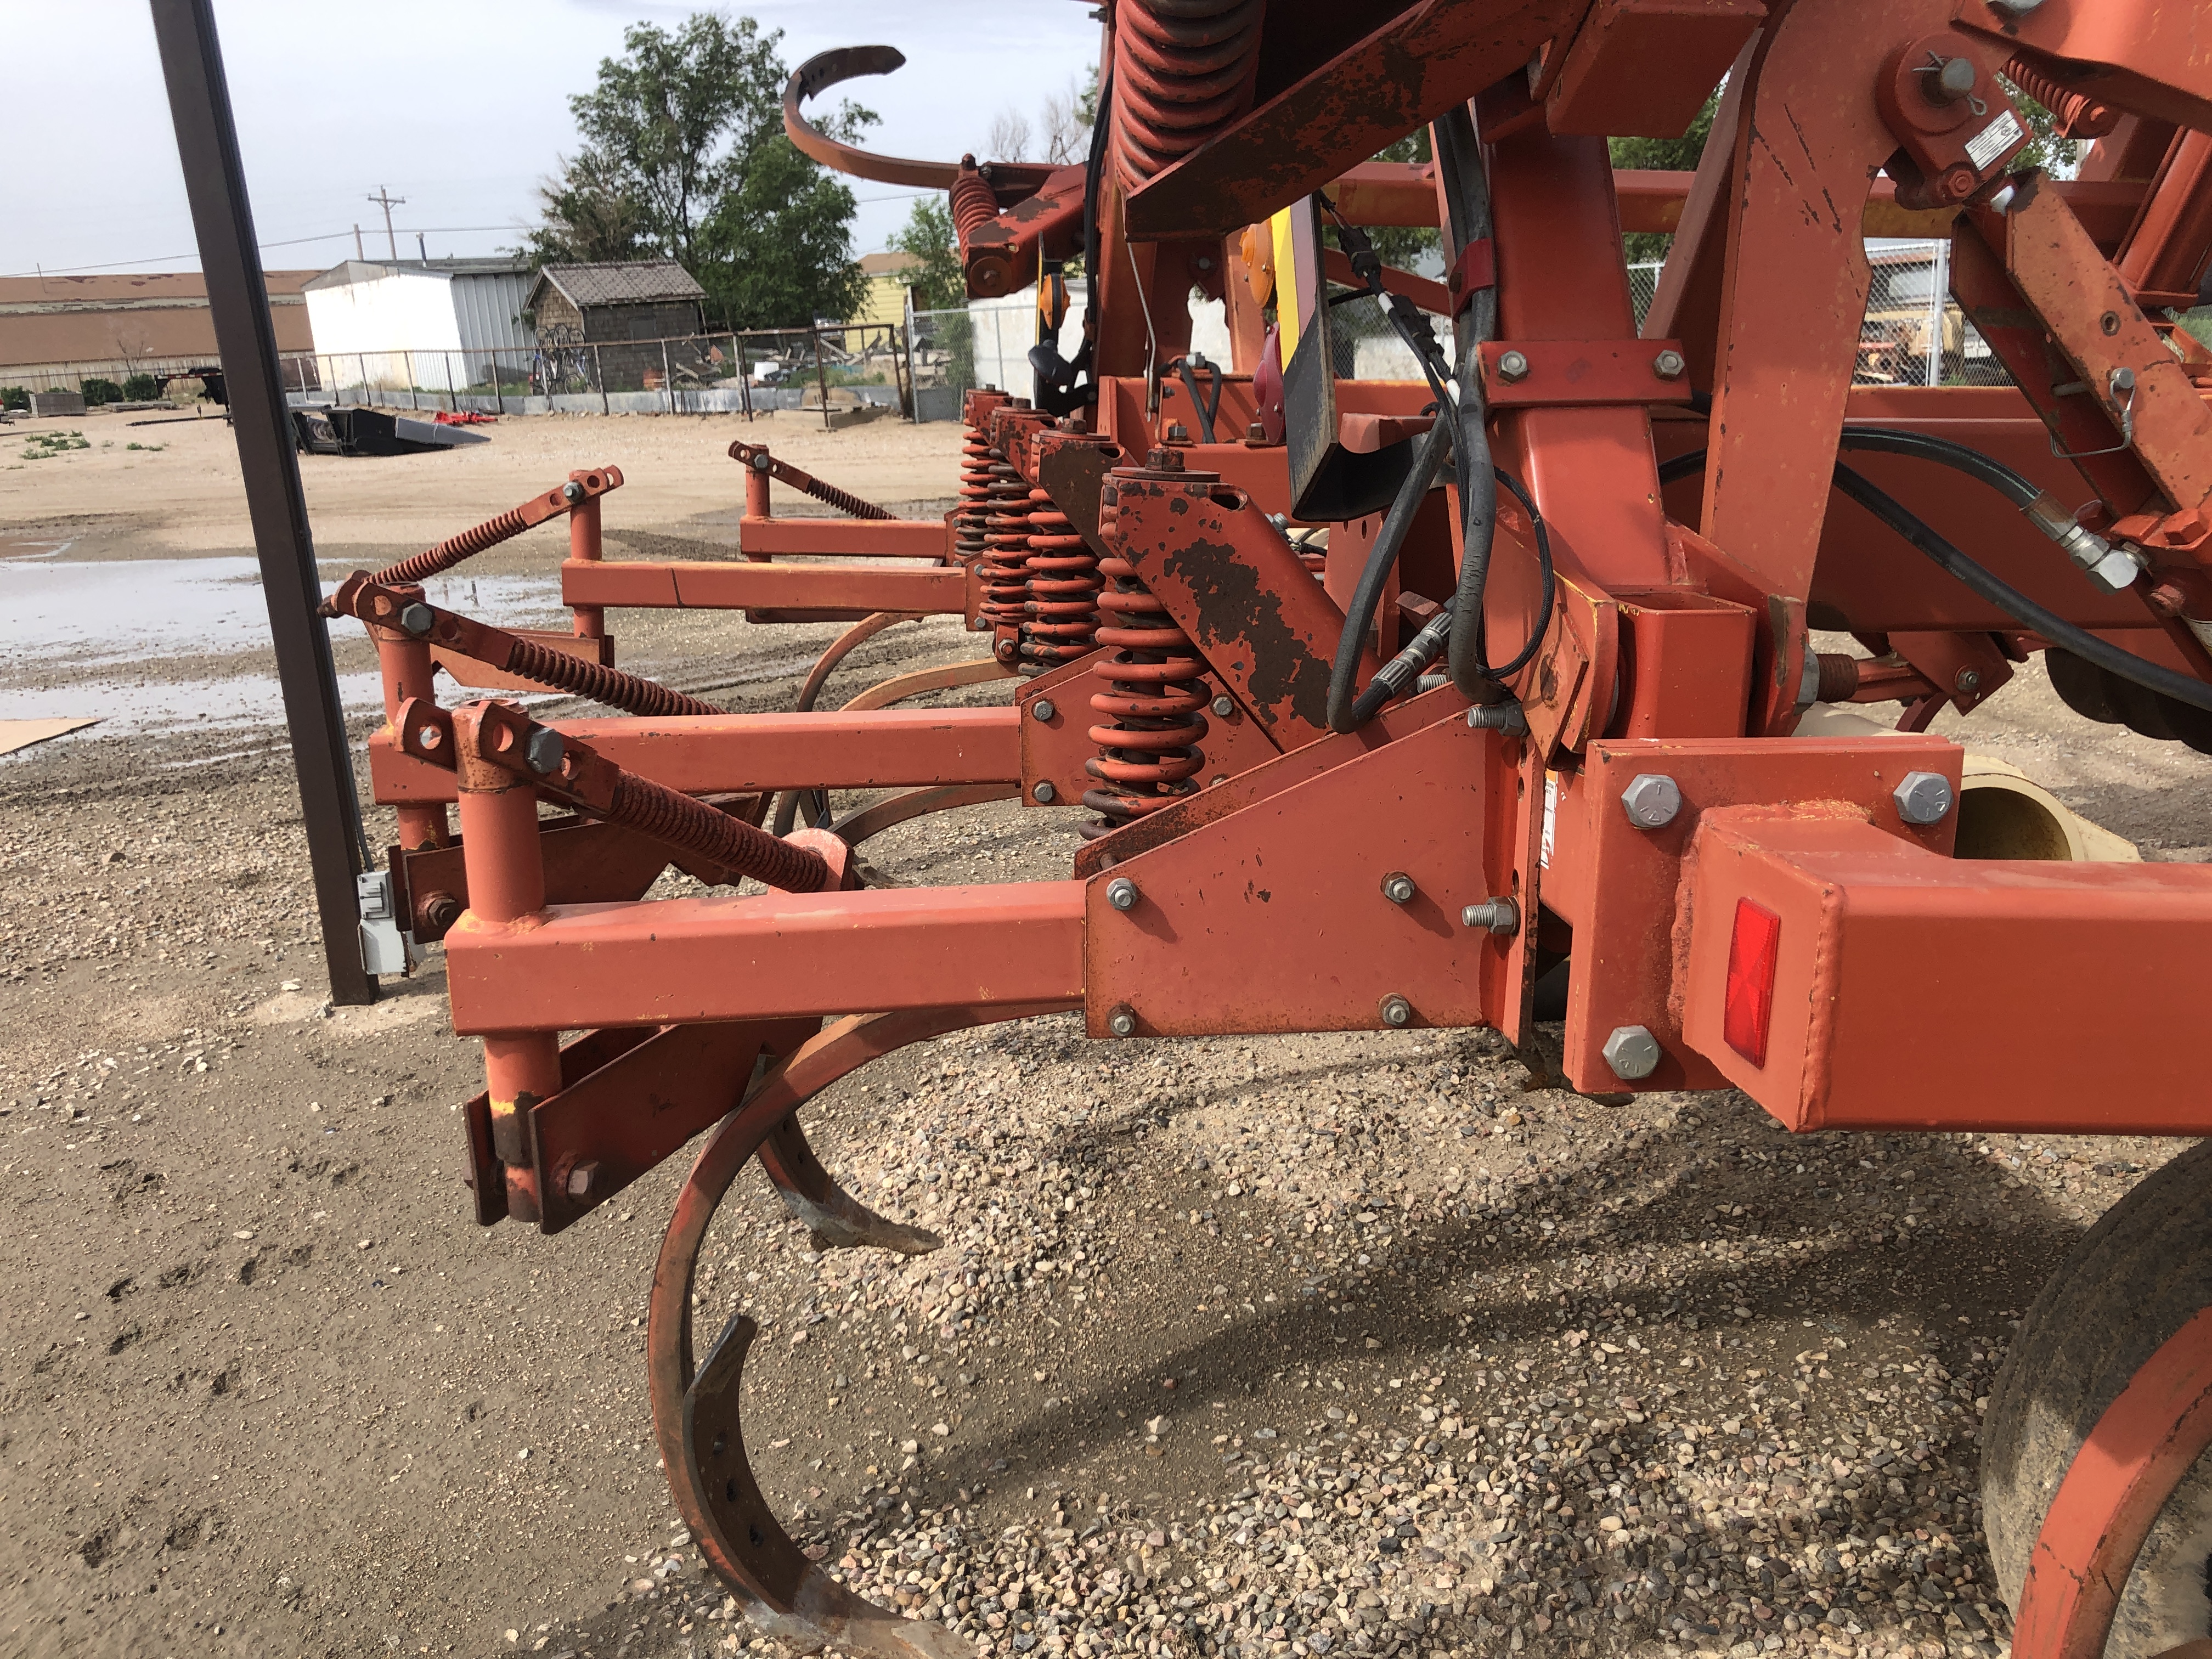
417	618
1224	707
1668	365
1042	709
1398	887
1633	1052
1004	651
1512	366
582	1177
1396	1012
1178	434
2115	571
1652	799
544	751
1923	798
1967	679
1121	1020
1044	795
1121	893
572	491
1256	433
1498	915
437	912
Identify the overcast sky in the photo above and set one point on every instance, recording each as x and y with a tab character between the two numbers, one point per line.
459	105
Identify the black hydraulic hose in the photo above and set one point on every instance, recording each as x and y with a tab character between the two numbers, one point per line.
1367	595
2016	604
1203	409
1404	669
1893	440
1466	209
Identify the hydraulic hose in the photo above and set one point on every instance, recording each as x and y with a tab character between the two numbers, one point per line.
1429	453
2016	604
1467	209
2039	508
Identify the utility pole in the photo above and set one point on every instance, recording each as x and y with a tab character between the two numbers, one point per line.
357	251
386	200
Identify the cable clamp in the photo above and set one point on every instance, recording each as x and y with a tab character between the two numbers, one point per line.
1475	270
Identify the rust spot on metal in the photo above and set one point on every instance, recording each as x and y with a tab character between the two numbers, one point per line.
1235	608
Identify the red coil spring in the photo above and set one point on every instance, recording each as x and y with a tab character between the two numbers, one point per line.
2077	114
974	202
455	548
1148	756
1062	609
1182	68
581	677
974	494
1006	550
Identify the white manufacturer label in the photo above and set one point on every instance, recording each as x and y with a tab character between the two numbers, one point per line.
1994	140
1551	817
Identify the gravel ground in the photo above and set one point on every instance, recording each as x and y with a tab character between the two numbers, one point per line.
1379	1343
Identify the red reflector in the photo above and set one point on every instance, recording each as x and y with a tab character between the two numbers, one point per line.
1754	950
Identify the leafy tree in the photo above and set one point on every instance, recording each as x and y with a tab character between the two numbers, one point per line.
939	285
1402	245
684	157
1661	155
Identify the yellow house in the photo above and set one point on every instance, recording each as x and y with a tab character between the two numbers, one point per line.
883	300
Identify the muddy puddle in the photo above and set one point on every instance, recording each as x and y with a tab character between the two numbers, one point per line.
140	645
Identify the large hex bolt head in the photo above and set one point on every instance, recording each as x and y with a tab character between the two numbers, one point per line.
1923	798
1044	795
1652	799
1396	1012
572	491
417	618
1121	893
1042	709
545	751
1633	1052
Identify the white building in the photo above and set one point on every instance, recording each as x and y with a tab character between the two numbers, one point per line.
426	323
1006	328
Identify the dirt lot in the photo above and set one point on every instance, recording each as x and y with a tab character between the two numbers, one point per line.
1272	1346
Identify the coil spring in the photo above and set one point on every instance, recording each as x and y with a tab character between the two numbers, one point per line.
975	204
2074	114
974	494
583	678
1153	697
1062	607
446	555
1005	548
653	809
1182	68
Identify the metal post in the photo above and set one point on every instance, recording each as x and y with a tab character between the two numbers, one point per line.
1938	282
667	377
453	397
599	374
498	391
745	377
238	300
821	374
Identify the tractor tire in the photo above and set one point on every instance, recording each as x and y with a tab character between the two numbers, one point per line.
2140	1274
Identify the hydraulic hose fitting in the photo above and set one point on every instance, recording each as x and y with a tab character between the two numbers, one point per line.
2110	568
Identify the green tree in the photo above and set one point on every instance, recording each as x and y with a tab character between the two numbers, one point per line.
684	156
1402	245
939	284
1661	155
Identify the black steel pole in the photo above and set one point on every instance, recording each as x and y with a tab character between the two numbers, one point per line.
238	297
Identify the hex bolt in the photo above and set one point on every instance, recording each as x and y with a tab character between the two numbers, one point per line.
1954	81
1178	434
1042	709
572	491
1121	893
1668	365
1121	1020
1498	915
439	911
1255	432
1633	1052
545	750
1004	650
1512	366
1922	797
1652	799
1396	1012
1044	794
1224	707
1968	678
417	618
582	1177
976	624
1398	887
